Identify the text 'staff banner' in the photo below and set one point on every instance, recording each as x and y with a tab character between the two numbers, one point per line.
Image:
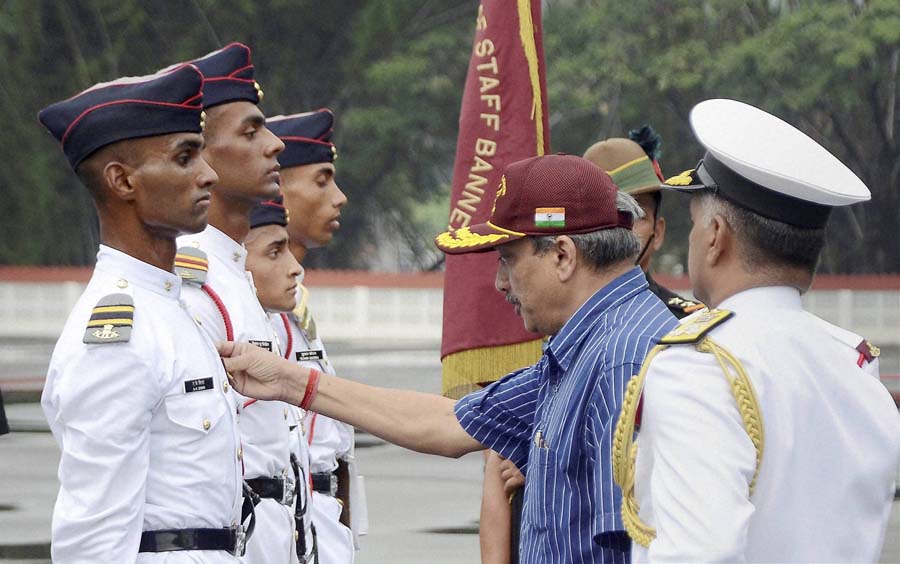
503	119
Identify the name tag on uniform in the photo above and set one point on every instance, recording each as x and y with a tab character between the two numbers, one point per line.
267	345
198	385
310	355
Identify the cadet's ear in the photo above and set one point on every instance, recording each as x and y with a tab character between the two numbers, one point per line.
566	257
118	180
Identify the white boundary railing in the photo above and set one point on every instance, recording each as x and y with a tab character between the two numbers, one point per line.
39	310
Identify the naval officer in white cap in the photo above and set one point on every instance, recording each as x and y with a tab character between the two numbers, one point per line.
748	436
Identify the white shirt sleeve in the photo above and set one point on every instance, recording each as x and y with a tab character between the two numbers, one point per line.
702	461
104	399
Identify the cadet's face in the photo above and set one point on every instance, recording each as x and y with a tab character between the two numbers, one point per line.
526	281
648	226
242	151
315	201
274	268
174	183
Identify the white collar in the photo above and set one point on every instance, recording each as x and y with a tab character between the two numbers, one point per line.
217	244
137	272
767	297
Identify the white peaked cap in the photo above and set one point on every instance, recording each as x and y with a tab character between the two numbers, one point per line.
765	164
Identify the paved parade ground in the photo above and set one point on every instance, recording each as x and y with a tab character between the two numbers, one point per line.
422	509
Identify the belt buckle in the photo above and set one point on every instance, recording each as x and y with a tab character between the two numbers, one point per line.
240	541
287	491
333	485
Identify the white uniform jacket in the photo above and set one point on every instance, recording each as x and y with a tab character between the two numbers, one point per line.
147	424
831	445
264	425
329	440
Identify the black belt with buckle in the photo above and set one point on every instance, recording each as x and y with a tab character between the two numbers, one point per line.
325	482
279	489
231	539
168	540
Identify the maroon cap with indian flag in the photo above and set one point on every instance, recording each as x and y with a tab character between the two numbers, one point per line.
547	195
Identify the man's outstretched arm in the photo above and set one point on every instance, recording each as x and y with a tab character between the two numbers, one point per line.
414	420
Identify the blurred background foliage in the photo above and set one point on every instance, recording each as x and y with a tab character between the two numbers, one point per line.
393	71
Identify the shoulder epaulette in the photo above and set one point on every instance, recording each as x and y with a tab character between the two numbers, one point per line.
302	302
868	351
304	317
696	326
111	320
192	265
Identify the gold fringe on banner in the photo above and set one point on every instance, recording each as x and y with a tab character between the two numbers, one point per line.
467	371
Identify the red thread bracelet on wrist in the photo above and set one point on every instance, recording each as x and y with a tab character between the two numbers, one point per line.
312	389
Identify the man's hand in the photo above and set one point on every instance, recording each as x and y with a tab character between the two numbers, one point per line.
512	478
261	374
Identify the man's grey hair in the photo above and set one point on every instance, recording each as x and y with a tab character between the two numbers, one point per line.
765	243
602	249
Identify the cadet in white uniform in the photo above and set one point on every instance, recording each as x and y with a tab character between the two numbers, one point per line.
760	440
276	273
220	291
136	395
315	201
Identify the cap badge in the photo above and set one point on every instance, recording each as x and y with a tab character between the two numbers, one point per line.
683	179
550	217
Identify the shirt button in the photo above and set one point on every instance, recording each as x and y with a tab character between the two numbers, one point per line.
122	283
206	424
297	536
285	414
234	522
240	453
236	257
225	386
168	286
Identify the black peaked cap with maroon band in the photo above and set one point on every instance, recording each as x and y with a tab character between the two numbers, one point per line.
307	137
170	101
270	212
228	76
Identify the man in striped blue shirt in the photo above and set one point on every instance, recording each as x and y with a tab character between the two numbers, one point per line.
563	235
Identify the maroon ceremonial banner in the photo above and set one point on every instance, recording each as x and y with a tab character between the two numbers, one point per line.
503	119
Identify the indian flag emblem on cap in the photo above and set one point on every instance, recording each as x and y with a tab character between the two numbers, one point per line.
550	217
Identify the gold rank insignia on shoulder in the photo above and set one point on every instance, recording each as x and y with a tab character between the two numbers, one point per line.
191	265
111	320
304	317
873	350
687	306
695	327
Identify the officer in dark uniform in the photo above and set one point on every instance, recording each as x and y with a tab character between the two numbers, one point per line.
632	165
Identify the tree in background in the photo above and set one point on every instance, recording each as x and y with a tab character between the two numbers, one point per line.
828	66
393	70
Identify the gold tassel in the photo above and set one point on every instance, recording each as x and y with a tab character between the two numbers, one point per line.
465	371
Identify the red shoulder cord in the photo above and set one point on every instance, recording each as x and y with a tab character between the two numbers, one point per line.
223	311
312	427
229	330
290	338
